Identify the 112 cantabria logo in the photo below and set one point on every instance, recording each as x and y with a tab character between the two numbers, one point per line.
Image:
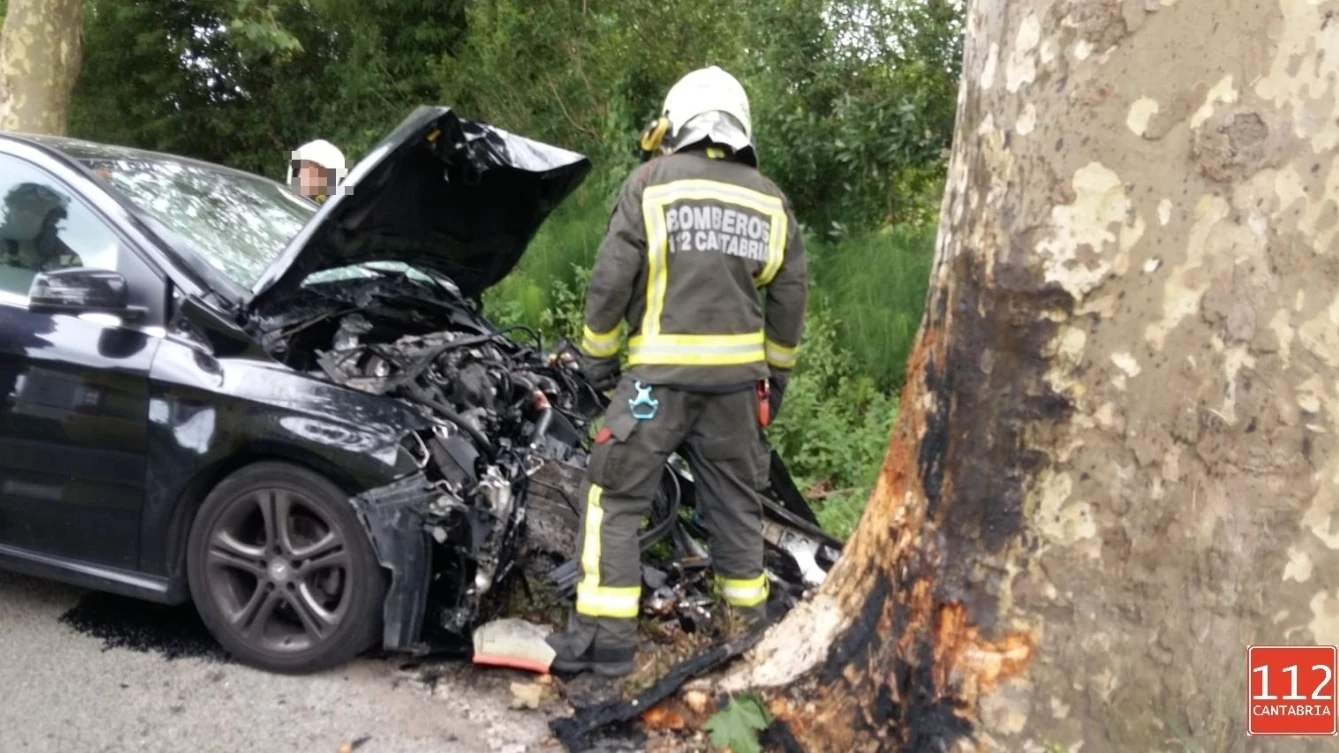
1291	690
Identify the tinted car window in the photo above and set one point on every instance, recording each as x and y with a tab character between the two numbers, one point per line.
43	228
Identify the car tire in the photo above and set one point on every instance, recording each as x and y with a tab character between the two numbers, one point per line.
295	598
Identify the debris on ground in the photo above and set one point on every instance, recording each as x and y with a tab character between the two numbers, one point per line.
579	731
513	643
528	695
350	747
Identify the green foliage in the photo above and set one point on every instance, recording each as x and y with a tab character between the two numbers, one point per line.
259	32
243	82
182	77
853	100
736	726
865	97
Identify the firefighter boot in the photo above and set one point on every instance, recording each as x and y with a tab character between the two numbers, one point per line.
589	645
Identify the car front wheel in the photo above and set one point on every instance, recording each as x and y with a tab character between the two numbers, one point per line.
282	572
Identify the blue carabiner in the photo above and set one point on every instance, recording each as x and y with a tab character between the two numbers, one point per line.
643	399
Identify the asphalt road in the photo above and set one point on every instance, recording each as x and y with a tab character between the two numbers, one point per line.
87	673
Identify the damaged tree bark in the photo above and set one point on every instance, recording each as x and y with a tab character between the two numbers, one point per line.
41	53
1115	464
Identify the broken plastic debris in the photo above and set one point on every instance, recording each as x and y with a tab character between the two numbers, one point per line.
513	643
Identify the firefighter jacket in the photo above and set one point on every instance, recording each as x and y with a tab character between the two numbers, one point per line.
693	247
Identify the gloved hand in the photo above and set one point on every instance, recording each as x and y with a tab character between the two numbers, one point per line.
776	387
566	355
602	373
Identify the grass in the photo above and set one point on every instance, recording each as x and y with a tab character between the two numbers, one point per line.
875	285
867	291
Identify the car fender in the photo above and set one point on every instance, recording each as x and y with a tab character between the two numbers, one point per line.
209	416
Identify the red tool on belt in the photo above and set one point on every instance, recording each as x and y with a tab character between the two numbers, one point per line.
764	402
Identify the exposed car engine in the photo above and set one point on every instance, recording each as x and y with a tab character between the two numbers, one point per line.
500	412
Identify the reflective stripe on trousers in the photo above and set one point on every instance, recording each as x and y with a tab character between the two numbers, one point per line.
594	600
745	592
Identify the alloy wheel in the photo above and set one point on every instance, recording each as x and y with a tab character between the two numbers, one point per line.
279	570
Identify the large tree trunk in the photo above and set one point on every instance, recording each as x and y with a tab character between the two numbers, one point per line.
1115	465
41	50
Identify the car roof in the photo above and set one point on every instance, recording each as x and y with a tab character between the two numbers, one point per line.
79	150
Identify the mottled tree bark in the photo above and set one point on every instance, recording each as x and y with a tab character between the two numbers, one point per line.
1115	465
41	50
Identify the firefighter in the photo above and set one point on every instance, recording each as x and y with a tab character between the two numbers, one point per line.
316	170
703	262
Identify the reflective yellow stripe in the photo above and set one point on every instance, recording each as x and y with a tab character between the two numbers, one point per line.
590	551
594	600
654	202
743	592
700	188
776	250
657	279
602	601
599	344
779	355
696	350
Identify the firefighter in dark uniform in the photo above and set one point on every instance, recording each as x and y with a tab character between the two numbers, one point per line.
703	262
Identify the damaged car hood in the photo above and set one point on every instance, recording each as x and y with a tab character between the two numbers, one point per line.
440	193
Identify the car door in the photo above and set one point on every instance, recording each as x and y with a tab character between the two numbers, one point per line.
73	387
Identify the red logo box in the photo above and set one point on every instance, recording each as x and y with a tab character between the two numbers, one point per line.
1292	690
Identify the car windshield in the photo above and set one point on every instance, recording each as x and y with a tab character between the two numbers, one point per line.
236	222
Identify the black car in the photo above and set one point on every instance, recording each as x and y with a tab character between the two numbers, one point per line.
217	391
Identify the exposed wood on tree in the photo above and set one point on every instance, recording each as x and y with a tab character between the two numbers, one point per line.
41	51
1115	463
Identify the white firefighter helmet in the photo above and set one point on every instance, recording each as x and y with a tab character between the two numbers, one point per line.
708	103
320	152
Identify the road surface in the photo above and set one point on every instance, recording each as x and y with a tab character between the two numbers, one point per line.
88	673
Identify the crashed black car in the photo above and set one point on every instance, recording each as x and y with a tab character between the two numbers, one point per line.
295	416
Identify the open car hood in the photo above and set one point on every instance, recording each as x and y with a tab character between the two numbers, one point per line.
440	193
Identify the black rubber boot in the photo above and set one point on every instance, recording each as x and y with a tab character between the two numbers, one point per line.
602	660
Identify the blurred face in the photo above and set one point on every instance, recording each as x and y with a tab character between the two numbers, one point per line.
312	179
25	222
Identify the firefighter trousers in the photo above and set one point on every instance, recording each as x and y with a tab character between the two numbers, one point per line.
720	437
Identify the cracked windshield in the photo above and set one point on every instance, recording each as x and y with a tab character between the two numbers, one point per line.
237	223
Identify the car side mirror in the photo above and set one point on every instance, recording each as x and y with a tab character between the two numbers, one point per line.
82	291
